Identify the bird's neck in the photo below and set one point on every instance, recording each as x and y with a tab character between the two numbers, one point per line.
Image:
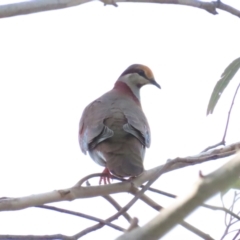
129	80
128	90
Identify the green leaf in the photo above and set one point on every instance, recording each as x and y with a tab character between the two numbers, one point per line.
226	77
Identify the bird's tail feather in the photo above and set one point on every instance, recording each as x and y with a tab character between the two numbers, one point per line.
125	166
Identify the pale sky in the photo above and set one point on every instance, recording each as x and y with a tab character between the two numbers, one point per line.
54	63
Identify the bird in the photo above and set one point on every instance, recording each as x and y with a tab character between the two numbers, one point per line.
114	130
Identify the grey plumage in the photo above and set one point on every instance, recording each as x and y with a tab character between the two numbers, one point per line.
115	131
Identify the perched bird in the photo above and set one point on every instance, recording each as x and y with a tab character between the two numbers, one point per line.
114	129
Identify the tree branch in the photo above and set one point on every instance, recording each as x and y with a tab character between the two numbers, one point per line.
184	224
21	8
228	8
94	191
202	205
138	195
229	114
133	224
118	207
205	187
35	237
78	214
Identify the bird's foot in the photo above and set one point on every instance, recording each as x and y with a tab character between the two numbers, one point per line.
106	177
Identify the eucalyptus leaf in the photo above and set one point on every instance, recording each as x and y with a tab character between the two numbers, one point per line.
220	86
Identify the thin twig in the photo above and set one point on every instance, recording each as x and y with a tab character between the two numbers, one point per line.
107	197
184	224
118	207
161	192
229	224
197	231
223	141
126	207
202	205
101	224
235	237
78	214
221	209
229	114
225	217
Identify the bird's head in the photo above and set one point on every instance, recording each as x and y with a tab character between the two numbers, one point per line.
137	75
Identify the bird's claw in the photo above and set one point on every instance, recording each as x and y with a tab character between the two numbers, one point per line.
106	177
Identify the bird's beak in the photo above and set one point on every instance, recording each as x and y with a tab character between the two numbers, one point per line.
153	82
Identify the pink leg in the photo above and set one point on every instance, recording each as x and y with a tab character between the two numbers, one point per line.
106	176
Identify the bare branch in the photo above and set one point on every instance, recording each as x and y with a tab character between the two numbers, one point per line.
104	222
235	237
35	237
161	192
202	205
206	156
202	190
228	8
222	142
230	223
184	224
94	191
229	114
59	236
126	186
109	199
197	231
21	8
138	195
221	209
78	214
118	207
133	224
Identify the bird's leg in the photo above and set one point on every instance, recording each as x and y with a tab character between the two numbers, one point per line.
106	176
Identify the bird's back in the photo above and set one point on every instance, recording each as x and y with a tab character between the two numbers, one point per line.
123	152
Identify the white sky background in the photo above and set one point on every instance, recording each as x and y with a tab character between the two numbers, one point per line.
54	63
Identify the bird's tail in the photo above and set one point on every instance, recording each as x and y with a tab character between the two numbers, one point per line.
125	165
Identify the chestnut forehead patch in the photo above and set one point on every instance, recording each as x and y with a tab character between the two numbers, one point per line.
148	72
138	68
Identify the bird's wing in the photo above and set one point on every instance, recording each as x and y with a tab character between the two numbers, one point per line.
137	124
91	127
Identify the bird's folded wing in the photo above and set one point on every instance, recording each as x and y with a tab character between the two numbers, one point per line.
93	131
91	128
137	125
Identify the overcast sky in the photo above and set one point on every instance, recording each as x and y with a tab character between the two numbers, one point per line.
54	63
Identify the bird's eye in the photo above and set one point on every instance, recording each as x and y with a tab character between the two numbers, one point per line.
142	73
